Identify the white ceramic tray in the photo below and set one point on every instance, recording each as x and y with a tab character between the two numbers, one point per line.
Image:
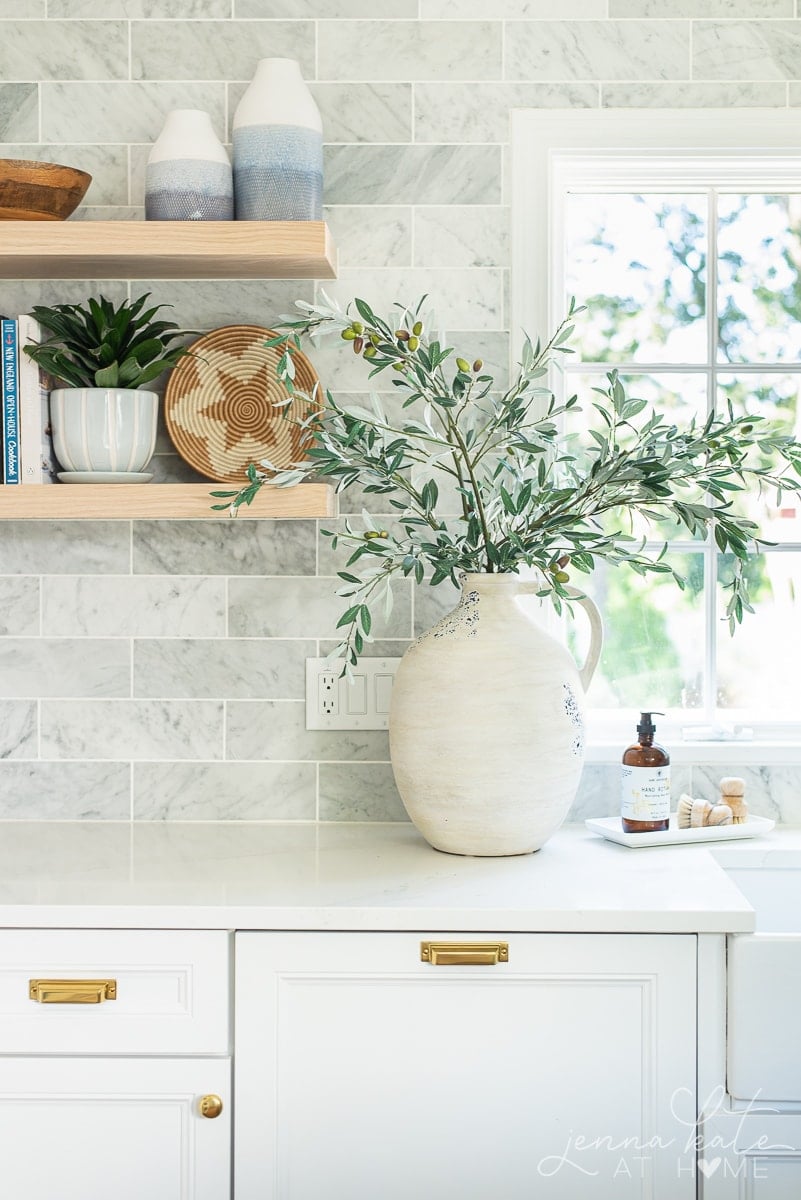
610	828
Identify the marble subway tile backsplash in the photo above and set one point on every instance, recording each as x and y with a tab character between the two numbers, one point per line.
155	670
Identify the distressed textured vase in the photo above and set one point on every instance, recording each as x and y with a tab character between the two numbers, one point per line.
104	429
486	723
278	147
189	174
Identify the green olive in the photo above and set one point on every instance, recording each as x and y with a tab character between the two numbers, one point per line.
417	328
463	365
348	335
357	327
370	352
413	343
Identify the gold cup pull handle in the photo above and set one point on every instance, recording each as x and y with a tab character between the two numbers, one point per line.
464	954
210	1105
72	991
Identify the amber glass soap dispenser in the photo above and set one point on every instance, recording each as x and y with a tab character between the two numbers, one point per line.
645	782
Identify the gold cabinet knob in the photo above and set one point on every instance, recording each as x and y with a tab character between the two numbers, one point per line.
211	1105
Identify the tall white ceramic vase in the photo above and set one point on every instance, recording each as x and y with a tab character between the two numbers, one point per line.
486	723
278	147
189	175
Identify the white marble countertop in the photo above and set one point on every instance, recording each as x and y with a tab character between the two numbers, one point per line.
352	876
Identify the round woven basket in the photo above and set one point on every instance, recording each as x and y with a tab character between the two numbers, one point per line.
220	406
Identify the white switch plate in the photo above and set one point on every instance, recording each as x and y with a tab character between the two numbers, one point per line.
333	702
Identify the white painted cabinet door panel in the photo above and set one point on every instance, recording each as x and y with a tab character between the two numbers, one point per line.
751	1154
364	1073
81	1129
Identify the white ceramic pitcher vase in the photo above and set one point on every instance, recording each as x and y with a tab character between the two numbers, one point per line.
486	722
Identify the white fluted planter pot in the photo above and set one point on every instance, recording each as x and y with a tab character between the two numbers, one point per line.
104	429
486	723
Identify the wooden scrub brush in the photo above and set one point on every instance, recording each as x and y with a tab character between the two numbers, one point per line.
697	814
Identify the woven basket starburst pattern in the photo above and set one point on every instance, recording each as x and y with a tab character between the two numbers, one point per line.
221	404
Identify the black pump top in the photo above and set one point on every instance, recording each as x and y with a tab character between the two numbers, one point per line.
646	726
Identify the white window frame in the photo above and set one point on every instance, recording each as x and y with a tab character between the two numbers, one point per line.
597	150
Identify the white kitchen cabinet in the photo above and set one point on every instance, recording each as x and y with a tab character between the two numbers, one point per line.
128	1128
363	1071
109	1042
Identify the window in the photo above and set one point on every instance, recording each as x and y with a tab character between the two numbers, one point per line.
681	232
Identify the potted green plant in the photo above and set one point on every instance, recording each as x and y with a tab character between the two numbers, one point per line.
486	728
104	420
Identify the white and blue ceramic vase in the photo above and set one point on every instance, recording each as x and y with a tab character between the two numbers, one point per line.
189	174
278	147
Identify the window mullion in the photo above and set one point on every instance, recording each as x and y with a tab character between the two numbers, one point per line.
710	549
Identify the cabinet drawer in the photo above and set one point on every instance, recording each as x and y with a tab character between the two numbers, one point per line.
169	991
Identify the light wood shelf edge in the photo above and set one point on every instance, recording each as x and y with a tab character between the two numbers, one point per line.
159	501
167	250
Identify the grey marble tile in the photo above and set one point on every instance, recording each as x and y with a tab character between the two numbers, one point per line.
18	10
211	303
354	112
63	50
276	729
746	50
222	668
186	10
224	791
217	50
380	648
18	729
359	792
365	112
64	667
510	10
138	606
461	236
455	299
47	791
123	730
19	111
19	605
167	467
20	295
409	50
336	9
412	175
117	212
784	789
108	166
64	547
275	608
541	50
479	112
759	787
701	8
371	237
122	112
226	547
693	95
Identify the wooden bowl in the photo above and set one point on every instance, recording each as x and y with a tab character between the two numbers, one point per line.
39	191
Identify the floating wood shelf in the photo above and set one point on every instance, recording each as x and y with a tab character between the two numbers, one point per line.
166	250
158	501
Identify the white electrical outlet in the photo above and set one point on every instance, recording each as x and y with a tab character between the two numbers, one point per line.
334	702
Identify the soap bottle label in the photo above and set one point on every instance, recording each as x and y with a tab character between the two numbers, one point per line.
645	793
